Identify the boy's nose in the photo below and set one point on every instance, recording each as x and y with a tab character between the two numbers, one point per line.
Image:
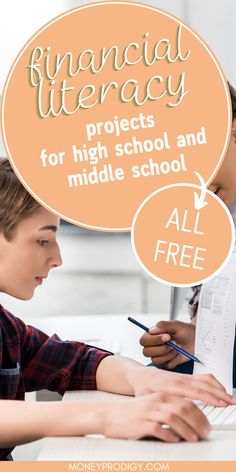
56	260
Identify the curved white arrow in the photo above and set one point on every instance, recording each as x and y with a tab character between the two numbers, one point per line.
199	202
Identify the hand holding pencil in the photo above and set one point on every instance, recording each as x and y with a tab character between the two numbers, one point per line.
154	347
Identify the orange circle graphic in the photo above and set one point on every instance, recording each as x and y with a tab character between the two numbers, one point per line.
178	244
94	120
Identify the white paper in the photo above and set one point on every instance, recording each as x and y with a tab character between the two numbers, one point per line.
215	330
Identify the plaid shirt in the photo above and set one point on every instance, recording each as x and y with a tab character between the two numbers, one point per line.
31	360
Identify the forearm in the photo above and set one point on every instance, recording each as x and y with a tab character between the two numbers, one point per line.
114	374
23	422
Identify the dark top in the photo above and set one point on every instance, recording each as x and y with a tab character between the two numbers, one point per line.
31	360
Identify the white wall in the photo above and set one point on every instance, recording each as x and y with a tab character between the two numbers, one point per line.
215	21
19	20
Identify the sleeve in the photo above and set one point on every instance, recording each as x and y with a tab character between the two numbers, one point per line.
194	301
48	362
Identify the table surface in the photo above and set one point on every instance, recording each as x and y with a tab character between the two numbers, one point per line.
219	446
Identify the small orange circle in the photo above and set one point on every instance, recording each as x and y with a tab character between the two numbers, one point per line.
177	244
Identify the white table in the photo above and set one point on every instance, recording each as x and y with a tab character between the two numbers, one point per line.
221	445
111	332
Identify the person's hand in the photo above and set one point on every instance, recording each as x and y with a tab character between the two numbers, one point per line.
136	418
127	418
205	387
154	345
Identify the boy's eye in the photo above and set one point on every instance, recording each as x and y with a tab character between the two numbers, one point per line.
43	242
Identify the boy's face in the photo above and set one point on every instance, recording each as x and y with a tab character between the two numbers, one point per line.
224	183
26	260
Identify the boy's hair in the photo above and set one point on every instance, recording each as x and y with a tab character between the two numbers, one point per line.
15	201
233	99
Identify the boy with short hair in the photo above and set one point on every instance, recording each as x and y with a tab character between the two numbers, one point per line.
31	360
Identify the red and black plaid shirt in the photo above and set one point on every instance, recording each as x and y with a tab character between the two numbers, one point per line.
31	360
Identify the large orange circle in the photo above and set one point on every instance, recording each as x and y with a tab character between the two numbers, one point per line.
184	70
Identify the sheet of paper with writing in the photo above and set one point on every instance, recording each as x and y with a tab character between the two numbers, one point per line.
215	330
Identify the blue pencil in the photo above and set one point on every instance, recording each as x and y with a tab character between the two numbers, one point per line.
169	343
